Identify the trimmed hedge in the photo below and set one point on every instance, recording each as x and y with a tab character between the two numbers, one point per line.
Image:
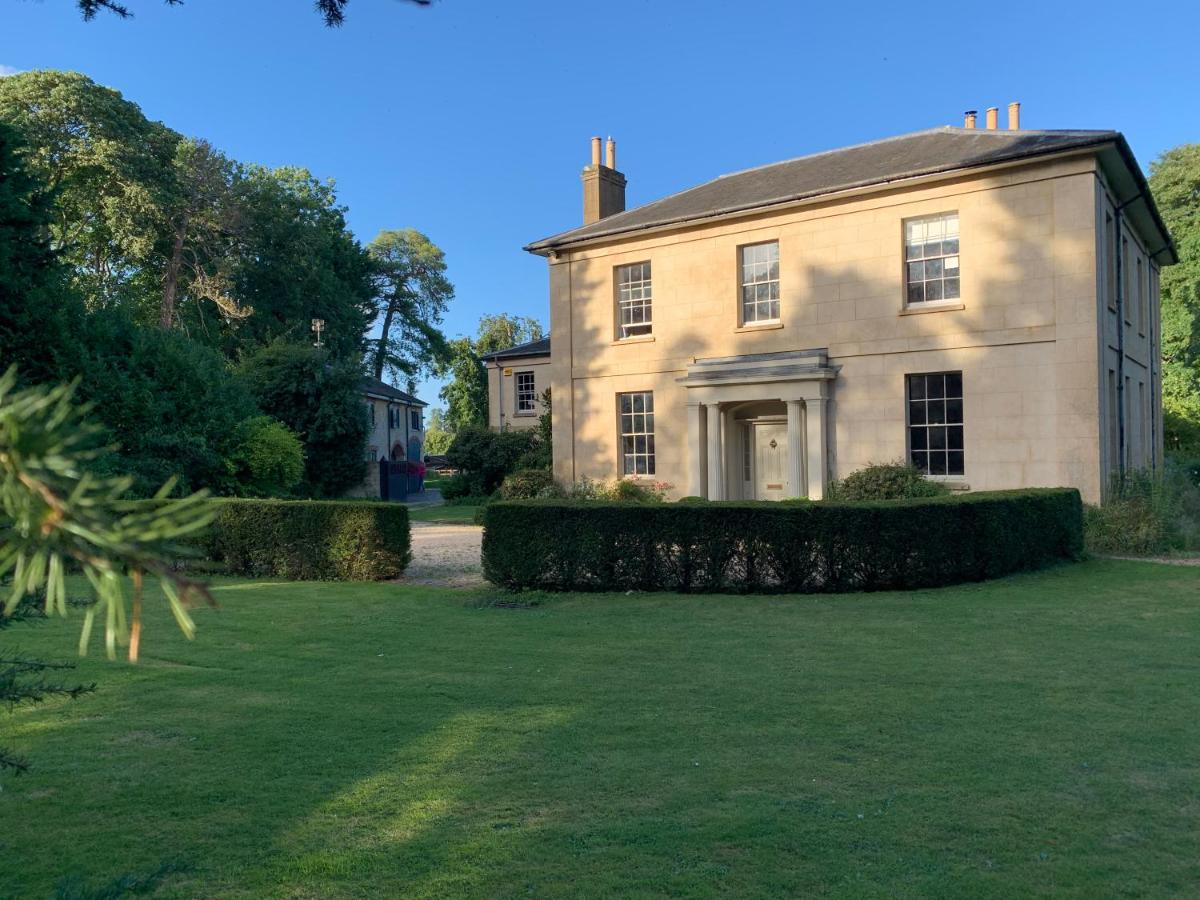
311	540
738	547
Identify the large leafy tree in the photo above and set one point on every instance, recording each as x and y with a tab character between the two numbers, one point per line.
412	293
110	172
39	314
318	397
466	394
298	261
1175	182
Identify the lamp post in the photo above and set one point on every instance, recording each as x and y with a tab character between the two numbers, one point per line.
318	326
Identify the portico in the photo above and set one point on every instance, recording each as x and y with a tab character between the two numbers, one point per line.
758	425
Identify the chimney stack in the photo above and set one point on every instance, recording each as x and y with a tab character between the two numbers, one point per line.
603	185
969	118
1014	116
993	118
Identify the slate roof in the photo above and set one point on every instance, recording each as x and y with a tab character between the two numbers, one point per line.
540	347
937	150
369	385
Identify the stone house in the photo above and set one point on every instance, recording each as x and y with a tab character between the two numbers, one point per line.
981	301
397	431
517	378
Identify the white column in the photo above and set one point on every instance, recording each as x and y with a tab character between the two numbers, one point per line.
795	439
815	426
715	483
696	473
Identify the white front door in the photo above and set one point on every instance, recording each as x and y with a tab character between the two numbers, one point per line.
770	461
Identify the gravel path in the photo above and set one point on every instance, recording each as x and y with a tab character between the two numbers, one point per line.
445	555
1164	560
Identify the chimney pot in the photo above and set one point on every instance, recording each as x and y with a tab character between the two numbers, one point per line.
969	118
603	185
993	118
610	153
1014	116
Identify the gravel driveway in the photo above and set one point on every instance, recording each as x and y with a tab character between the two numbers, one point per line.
445	555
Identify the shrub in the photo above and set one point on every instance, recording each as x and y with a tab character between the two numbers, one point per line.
1147	514
886	481
311	540
776	547
526	484
267	459
485	457
456	487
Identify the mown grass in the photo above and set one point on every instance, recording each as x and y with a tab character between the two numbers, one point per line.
1032	736
447	514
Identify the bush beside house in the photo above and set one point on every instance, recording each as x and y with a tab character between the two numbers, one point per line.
311	540
799	547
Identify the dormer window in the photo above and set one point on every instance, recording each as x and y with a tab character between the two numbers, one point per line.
931	259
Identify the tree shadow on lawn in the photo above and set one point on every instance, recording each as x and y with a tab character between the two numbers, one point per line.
343	741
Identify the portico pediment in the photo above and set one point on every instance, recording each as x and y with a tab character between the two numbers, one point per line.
794	374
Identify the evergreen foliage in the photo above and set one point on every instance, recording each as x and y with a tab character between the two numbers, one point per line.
311	540
800	547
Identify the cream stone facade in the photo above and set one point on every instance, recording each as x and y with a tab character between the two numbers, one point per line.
517	379
1053	352
397	431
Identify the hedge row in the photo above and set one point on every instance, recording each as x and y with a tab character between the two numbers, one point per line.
310	540
778	547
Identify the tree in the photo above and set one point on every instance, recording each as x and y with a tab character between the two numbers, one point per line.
110	172
201	219
332	11
466	394
171	405
318	397
267	459
499	332
438	434
39	314
297	261
412	293
1175	182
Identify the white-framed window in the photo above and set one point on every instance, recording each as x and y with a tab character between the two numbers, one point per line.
635	414
635	312
414	418
526	394
935	423
759	264
931	263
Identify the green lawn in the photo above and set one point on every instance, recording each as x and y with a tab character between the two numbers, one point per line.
1033	736
450	515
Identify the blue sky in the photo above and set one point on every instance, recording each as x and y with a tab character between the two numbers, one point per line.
470	119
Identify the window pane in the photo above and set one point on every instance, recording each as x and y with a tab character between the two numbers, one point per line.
950	289
954	409
954	437
916	292
920	459
933	290
916	413
955	463
954	384
918	439
937	412
935	386
937	438
916	387
937	463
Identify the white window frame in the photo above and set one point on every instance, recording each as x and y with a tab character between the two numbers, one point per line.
635	434
524	395
927	422
635	290
926	254
758	275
